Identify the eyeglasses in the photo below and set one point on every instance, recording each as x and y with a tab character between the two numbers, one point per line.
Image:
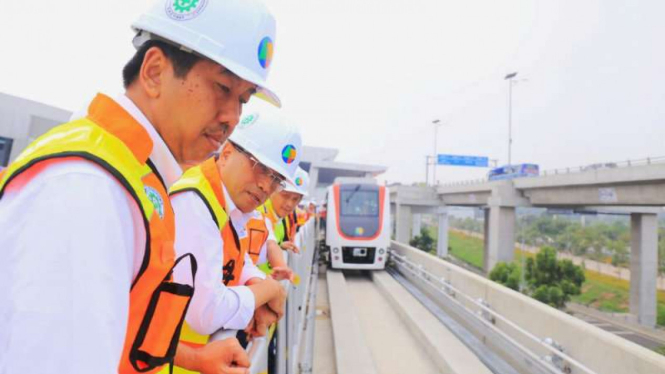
277	182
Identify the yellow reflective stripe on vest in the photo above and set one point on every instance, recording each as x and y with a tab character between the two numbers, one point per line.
193	179
81	138
188	335
280	231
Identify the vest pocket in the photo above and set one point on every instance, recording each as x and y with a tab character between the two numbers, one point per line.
157	339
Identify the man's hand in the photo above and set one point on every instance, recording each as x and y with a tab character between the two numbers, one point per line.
288	246
276	304
219	357
263	318
283	272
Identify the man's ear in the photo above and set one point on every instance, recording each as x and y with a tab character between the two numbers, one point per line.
154	69
225	154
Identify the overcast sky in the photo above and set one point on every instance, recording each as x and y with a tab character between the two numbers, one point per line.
369	76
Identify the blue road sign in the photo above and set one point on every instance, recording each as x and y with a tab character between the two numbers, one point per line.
456	160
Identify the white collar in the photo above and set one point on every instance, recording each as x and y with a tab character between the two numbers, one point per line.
161	156
238	218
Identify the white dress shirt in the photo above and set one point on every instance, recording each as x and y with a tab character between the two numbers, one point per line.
214	306
72	243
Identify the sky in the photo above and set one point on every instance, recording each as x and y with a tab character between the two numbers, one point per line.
369	77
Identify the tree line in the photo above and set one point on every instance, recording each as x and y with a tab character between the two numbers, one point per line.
605	241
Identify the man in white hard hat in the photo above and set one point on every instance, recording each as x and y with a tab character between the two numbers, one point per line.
278	211
213	203
87	226
280	208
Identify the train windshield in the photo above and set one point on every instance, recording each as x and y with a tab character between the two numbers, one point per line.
357	203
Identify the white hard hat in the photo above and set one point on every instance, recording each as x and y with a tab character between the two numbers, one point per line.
237	34
301	183
273	141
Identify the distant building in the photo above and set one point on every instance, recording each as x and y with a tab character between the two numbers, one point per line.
323	169
22	121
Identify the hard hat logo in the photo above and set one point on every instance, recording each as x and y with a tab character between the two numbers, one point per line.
298	181
183	10
289	154
248	120
265	52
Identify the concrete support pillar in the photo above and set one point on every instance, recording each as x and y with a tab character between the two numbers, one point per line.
500	242
416	221
643	267
403	223
486	235
442	242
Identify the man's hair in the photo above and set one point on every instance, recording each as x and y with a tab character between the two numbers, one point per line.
182	61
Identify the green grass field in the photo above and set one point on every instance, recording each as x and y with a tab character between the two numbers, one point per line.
599	291
466	248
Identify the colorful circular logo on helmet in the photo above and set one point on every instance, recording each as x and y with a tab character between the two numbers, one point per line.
183	10
299	181
289	154
265	52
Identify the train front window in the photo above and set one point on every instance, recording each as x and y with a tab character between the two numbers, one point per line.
358	203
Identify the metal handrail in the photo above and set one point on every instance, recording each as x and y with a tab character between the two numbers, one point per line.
299	298
417	270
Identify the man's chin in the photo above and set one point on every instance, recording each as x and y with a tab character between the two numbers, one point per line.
281	213
248	207
194	160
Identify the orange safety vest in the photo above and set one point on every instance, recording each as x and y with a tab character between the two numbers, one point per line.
268	211
257	235
206	182
290	223
279	225
303	216
112	139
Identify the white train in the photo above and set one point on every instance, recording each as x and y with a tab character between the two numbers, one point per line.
358	224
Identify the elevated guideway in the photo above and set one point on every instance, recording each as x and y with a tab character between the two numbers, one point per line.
378	327
530	336
427	315
633	188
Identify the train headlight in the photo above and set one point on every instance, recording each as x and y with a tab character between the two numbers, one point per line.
382	251
335	250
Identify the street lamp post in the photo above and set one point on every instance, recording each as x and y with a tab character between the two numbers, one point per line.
437	123
509	78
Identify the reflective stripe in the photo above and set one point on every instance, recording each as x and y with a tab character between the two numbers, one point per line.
113	140
206	182
193	180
